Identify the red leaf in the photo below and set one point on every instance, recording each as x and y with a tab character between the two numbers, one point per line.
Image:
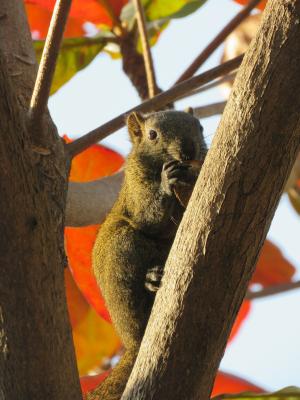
242	315
227	383
79	243
261	5
272	267
95	162
82	11
89	383
77	305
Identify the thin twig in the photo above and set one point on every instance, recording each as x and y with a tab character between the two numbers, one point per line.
153	104
46	69
209	110
219	39
228	78
74	44
271	290
149	67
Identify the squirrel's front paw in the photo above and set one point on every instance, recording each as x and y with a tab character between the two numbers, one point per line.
174	173
153	278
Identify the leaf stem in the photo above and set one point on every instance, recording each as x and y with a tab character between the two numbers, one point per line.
153	104
149	67
46	69
215	43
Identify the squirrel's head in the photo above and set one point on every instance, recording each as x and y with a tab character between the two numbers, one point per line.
166	135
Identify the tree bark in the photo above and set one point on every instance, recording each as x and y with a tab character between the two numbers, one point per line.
88	203
16	45
133	63
223	229
37	359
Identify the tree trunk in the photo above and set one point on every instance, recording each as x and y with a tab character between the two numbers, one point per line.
37	359
224	227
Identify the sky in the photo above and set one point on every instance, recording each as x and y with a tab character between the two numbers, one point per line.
267	348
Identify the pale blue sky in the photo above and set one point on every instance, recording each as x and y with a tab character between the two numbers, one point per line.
267	349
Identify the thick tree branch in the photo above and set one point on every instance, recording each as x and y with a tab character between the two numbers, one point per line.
36	352
88	203
133	63
153	104
35	336
16	46
41	91
149	67
219	39
218	242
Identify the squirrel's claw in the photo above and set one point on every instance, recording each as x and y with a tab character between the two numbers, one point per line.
173	173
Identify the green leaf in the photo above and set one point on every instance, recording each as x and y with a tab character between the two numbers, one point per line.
158	9
154	29
75	54
289	393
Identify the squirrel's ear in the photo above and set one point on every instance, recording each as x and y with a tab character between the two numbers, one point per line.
189	110
135	121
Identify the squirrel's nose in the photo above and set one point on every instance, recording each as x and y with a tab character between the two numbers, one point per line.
184	157
188	152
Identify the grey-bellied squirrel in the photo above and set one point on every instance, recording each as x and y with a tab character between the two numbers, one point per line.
134	241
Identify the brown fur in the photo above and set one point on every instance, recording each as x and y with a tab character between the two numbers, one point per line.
139	231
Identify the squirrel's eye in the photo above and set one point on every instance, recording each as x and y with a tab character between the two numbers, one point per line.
152	134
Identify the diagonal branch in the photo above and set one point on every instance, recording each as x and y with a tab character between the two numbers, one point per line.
149	67
46	69
227	78
219	39
271	290
209	110
153	104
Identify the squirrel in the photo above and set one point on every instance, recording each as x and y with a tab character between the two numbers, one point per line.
133	243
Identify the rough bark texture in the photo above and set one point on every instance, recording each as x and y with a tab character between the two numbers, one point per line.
133	64
37	359
16	45
224	227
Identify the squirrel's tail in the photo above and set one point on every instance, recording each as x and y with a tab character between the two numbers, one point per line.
113	386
